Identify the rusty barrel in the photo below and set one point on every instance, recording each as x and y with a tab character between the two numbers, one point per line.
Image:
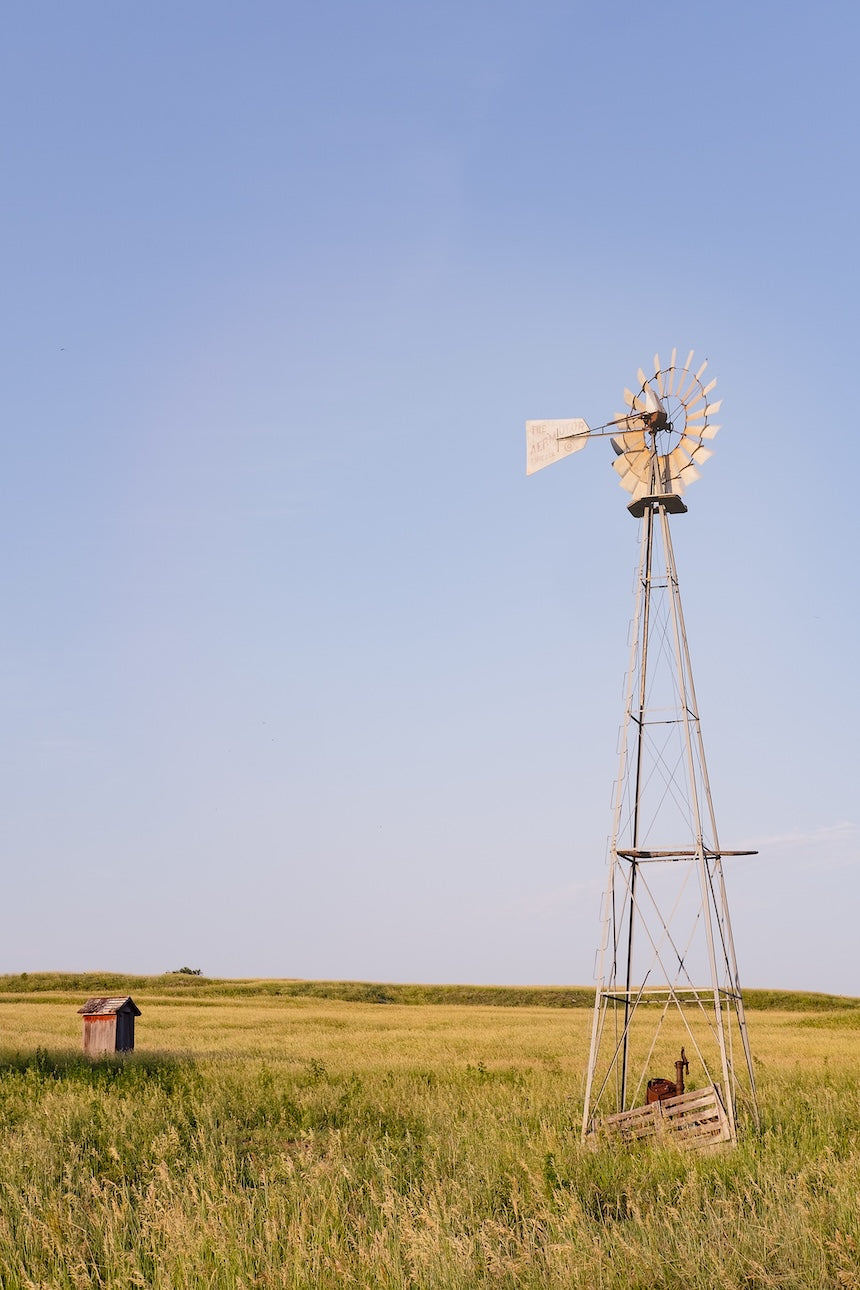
658	1090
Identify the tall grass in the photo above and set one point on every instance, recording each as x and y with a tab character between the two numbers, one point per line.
304	1143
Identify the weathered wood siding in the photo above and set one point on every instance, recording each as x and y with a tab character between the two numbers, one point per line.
99	1035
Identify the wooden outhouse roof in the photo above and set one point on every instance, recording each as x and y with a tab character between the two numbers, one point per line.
103	1007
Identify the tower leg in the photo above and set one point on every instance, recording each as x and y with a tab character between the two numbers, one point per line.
663	784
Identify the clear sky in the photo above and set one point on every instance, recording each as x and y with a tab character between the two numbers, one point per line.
301	676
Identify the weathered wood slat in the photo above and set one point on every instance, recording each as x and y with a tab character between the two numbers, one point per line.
696	1097
630	1117
679	1123
713	1131
683	1128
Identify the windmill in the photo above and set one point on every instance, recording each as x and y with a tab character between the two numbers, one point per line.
666	967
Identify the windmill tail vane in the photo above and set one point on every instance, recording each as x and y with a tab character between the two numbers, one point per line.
667	973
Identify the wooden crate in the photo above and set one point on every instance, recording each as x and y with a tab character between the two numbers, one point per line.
691	1120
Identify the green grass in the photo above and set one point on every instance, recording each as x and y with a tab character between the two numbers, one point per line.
267	1140
200	987
186	986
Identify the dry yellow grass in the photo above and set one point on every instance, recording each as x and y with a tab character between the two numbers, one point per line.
356	1035
279	1142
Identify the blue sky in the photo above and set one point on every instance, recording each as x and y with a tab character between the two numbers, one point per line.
300	675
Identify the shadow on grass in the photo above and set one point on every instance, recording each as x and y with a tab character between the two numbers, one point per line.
121	1070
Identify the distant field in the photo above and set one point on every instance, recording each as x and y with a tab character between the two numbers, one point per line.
277	1134
507	996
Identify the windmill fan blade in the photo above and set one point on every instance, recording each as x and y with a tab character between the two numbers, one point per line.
671	370
701	397
636	465
686	371
627	480
700	455
685	387
640	462
709	432
628	465
692	447
713	408
631	422
638	484
689	474
630	441
634	401
658	375
641	378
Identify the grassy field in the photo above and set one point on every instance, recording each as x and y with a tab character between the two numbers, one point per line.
271	1135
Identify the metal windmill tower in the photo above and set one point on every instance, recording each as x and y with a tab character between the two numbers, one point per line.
667	972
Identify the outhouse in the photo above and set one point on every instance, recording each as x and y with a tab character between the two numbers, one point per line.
109	1025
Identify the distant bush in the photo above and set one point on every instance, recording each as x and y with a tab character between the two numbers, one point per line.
185	971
